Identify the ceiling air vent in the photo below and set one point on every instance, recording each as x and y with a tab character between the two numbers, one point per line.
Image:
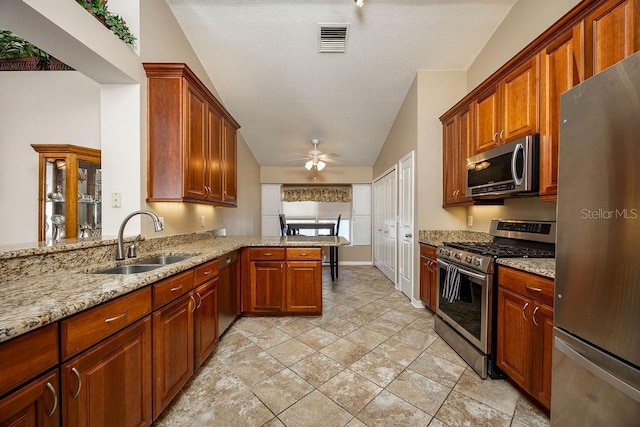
333	38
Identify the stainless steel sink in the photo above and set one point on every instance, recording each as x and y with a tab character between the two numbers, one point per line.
129	269
164	259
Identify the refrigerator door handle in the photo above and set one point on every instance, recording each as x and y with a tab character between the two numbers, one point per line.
605	376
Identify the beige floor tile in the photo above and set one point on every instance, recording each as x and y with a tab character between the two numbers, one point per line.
529	414
281	390
359	318
231	343
375	308
400	318
389	410
417	338
290	352
269	338
377	369
344	351
398	352
437	423
424	322
498	394
254	366
273	422
384	326
315	409
443	351
316	369
440	370
460	410
366	338
296	326
350	390
420	391
251	325
340	327
355	423
318	338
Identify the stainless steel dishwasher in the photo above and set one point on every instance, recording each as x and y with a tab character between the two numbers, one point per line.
228	291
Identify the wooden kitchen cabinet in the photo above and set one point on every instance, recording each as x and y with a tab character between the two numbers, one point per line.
279	281
525	331
110	384
205	320
561	68
428	276
192	140
507	110
456	136
612	33
36	404
173	350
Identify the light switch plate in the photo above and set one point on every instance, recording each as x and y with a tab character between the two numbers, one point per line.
202	221
116	200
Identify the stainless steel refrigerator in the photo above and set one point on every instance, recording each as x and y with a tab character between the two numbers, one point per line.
596	355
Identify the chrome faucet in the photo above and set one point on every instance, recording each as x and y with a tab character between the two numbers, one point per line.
157	225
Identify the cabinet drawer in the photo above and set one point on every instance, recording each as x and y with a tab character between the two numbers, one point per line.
304	254
87	328
205	272
428	251
171	288
536	287
26	356
266	254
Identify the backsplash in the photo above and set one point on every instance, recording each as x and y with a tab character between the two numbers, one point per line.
529	208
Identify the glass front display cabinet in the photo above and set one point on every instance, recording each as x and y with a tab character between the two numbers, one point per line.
70	192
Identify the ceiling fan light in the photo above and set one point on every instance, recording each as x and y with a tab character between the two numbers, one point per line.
308	165
359	3
320	165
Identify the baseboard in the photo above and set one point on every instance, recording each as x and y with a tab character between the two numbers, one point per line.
417	303
355	263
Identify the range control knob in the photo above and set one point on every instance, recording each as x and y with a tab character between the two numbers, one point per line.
468	258
447	252
458	256
478	262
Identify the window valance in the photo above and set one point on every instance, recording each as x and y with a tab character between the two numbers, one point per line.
317	194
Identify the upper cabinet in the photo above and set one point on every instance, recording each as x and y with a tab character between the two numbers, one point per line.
457	137
192	140
508	109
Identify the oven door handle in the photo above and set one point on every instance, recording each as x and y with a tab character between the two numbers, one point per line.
463	271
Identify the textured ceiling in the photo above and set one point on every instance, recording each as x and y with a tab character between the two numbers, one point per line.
262	56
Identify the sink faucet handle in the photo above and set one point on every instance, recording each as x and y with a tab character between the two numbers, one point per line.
131	252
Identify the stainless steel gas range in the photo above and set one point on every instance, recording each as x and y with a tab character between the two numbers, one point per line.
467	286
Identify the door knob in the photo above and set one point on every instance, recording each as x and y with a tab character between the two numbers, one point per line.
408	235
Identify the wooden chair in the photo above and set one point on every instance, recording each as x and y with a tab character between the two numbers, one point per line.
333	252
283	225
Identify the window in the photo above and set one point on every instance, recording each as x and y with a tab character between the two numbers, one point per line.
319	212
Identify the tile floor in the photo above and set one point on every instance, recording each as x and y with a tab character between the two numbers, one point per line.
371	359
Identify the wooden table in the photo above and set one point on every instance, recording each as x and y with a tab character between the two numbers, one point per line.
295	227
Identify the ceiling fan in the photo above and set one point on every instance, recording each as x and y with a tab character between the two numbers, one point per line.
316	160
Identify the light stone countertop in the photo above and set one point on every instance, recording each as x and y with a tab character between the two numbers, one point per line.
541	266
438	237
34	292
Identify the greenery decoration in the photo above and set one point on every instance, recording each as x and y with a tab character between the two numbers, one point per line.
12	46
117	25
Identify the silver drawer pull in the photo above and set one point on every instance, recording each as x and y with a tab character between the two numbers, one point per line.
77	374
177	288
55	399
524	316
534	315
208	272
111	319
228	260
267	254
532	289
199	300
304	254
193	300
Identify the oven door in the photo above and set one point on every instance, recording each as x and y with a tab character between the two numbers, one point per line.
469	315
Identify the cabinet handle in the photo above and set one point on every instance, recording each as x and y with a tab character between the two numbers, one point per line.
532	289
524	316
267	254
208	272
177	288
206	191
55	399
495	137
501	138
77	374
304	254
199	300
228	260
112	319
193	300
534	315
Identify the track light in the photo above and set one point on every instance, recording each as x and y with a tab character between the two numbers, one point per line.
359	3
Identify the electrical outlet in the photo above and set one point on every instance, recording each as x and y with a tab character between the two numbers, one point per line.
116	200
470	221
202	221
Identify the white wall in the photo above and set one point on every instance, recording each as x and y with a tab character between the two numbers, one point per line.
60	107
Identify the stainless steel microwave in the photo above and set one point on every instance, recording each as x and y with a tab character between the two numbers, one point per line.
508	170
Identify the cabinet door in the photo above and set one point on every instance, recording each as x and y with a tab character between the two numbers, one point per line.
206	320
33	405
229	158
110	384
514	337
519	102
450	162
612	33
172	350
465	141
304	287
195	145
541	354
486	113
425	281
267	279
214	154
561	68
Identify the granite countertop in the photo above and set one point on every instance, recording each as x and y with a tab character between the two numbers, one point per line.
438	237
35	299
541	266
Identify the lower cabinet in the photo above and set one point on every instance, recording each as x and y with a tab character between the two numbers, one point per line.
428	276
267	287
35	404
110	384
303	287
205	320
525	332
173	350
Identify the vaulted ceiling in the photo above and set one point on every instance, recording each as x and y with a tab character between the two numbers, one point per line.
263	58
